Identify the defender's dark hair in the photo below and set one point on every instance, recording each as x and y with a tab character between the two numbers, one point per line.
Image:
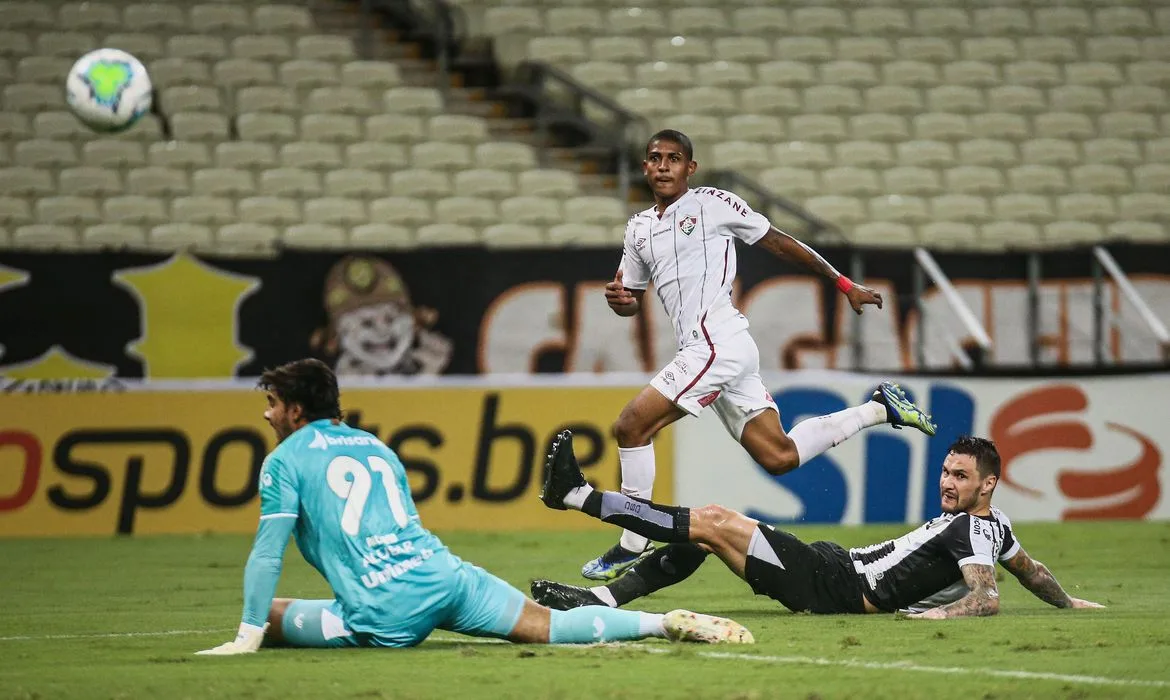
308	382
984	452
673	136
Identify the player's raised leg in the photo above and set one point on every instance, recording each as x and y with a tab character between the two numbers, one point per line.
765	440
634	430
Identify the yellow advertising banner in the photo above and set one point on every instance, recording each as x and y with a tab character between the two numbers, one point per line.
154	462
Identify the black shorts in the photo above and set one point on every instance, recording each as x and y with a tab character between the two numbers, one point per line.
816	577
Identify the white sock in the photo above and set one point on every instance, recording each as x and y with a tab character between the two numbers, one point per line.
815	435
575	499
637	480
650	625
606	597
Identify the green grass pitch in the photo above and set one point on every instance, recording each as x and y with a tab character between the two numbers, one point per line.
120	618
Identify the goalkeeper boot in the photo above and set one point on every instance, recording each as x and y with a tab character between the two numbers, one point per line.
687	626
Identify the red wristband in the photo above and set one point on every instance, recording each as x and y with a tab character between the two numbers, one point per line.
844	284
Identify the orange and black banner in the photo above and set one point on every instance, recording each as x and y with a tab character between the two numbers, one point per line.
152	462
87	319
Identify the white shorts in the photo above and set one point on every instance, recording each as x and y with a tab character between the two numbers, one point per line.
723	373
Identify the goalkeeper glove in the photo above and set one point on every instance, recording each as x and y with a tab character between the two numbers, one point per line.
247	641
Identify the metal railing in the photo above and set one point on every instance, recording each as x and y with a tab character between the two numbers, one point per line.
1104	263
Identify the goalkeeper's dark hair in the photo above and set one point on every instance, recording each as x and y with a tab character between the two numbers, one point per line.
307	382
984	452
673	136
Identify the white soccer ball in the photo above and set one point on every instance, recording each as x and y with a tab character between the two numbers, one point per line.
109	90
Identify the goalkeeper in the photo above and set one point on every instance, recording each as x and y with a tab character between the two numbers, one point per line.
344	495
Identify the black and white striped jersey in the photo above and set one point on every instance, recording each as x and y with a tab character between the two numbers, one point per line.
922	563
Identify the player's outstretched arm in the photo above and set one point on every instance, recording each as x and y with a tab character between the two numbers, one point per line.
981	600
624	302
260	577
1036	577
791	250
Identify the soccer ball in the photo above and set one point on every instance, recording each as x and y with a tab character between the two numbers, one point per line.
109	90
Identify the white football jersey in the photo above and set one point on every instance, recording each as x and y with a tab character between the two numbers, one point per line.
689	256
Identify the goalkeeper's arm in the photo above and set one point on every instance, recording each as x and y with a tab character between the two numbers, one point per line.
260	577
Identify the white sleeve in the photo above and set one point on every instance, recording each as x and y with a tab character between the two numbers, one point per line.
728	211
969	540
635	271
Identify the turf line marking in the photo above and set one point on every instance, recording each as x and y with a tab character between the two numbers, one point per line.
108	635
720	655
911	666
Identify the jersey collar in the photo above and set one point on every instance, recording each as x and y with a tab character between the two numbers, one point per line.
674	205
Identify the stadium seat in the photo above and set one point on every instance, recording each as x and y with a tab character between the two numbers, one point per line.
963	208
1123	20
446	234
482	182
1061	21
202	210
169	72
314	236
353	182
864	154
935	49
926	153
1038	179
1067	233
1101	178
724	73
14	126
223	182
1016	99
948	234
83	16
770	99
31	97
739	155
25	181
1086	207
855	182
335	210
507	20
786	73
420	182
269	210
111	153
1064	125
879	127
988	152
910	180
260	127
747	49
1139	231
14	210
630	21
893	99
134	210
382	235
89	182
234	73
973	179
503	155
325	48
1048	151
246	236
413	100
843	211
60	126
157	181
569	21
259	47
1152	177
546	183
376	156
1029	208
792	183
898	208
802	154
318	156
113	236
613	48
1128	125
268	98
41	153
1145	206
282	19
331	128
817	128
999	125
67	209
588	209
565	50
245	154
883	234
304	74
509	235
941	127
287	182
580	235
45	236
1078	98
530	210
997	21
400	211
1010	235
465	211
832	99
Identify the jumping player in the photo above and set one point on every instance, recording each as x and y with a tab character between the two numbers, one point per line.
684	246
346	497
943	569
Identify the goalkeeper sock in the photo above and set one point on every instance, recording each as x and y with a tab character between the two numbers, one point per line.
637	480
657	522
663	567
815	435
597	623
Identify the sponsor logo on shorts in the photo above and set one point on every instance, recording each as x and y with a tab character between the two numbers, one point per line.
709	399
669	376
640	243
